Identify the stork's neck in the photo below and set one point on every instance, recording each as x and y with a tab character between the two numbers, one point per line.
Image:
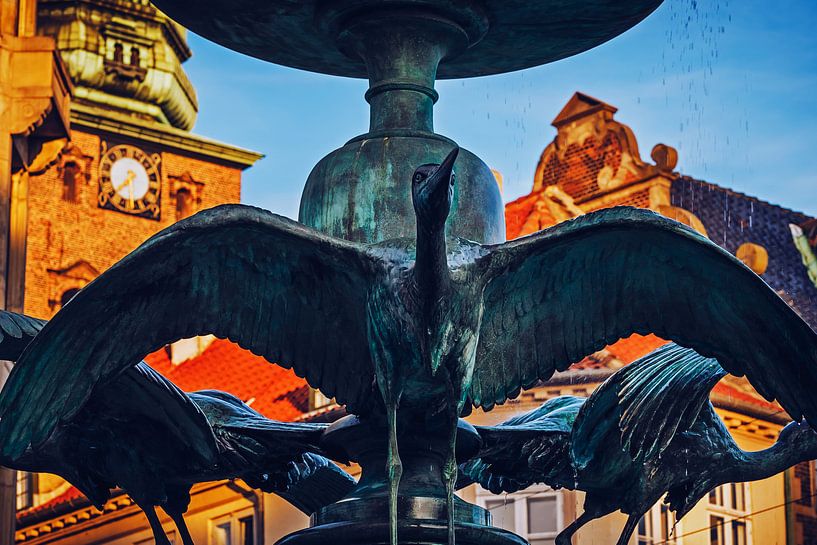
431	265
782	455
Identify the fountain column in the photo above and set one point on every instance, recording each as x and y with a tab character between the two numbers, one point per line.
362	191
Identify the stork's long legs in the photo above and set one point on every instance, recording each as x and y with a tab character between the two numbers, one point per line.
565	536
394	467
159	536
629	528
181	525
450	473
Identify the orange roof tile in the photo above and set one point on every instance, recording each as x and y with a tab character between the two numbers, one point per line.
71	496
270	389
633	347
728	390
517	212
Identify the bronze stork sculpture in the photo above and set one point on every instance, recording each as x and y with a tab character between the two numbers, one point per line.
647	431
141	433
431	325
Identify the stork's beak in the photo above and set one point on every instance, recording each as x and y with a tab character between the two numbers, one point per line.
443	173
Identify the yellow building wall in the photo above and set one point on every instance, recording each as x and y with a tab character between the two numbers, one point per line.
767	528
281	519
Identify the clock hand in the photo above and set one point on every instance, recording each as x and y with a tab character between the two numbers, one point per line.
128	180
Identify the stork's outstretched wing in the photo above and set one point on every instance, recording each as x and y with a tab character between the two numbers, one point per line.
527	449
143	397
16	331
275	287
644	405
554	297
120	411
260	437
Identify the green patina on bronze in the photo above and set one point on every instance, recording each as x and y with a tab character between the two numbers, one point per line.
404	303
647	432
360	191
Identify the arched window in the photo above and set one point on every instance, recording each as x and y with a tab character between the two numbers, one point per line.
134	56
67	295
118	53
184	203
70	182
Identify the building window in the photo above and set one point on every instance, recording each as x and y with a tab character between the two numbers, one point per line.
804	475
728	515
657	526
535	514
71	174
236	529
26	484
134	56
716	535
118	53
184	204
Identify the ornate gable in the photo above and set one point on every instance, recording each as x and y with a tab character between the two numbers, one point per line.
592	152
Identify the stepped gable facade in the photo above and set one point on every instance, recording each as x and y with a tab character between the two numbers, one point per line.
594	162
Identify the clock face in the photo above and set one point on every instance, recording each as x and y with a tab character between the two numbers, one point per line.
129	181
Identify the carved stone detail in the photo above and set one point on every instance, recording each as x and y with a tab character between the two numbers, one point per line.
68	280
186	192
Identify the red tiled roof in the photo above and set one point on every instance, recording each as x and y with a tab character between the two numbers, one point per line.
621	352
273	391
633	347
71	496
727	390
517	212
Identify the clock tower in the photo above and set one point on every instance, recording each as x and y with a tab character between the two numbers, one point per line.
132	166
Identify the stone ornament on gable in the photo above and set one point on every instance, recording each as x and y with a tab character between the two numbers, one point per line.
612	160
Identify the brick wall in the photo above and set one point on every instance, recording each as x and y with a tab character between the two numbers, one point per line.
577	170
70	238
639	199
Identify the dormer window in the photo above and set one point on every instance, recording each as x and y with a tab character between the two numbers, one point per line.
122	70
71	174
118	53
134	57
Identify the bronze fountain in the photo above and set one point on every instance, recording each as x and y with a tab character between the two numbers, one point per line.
397	294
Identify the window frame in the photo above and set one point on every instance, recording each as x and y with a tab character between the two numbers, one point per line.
234	518
656	516
730	513
520	505
29	490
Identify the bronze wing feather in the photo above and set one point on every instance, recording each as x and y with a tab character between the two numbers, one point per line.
554	297
276	287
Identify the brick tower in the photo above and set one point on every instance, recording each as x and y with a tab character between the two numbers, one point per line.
132	167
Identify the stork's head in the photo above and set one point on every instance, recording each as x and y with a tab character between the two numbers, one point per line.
798	433
432	191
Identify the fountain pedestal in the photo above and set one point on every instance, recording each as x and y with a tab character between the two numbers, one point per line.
362	517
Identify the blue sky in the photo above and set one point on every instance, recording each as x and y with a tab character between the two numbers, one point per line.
731	84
